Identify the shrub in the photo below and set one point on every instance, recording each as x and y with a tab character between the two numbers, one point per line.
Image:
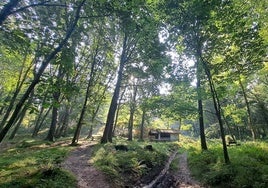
248	168
127	167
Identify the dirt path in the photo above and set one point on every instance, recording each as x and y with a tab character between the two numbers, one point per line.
183	176
87	175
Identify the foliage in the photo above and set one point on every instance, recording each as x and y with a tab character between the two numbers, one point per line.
34	163
248	168
125	168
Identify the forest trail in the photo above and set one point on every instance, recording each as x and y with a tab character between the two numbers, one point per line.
86	174
183	176
89	177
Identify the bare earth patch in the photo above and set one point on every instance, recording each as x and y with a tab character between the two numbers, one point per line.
183	177
87	175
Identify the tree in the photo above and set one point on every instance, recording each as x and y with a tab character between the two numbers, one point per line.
43	66
107	134
189	24
132	23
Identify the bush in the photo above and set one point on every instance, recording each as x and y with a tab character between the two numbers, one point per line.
248	168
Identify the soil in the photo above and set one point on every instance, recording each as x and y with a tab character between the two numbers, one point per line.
183	176
89	177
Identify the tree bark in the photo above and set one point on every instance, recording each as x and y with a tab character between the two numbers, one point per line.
54	120
108	130
88	92
61	131
131	115
142	125
21	117
200	107
40	122
250	123
40	72
20	82
117	112
217	107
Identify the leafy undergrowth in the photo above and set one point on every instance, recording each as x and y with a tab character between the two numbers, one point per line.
34	163
248	168
137	165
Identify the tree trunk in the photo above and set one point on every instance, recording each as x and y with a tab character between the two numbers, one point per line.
21	117
130	126
200	107
88	92
108	130
142	125
117	112
94	115
250	122
40	122
20	82
65	122
54	119
217	107
23	112
81	118
39	74
131	115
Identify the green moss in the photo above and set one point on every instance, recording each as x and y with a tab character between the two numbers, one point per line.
25	163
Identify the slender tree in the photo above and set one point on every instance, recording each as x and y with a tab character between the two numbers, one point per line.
40	72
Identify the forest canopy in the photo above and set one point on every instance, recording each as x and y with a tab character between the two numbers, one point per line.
120	68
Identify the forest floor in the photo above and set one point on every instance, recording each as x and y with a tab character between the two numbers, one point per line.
183	175
89	177
86	174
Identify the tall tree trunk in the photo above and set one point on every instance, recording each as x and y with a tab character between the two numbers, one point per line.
142	125
200	107
108	130
20	82
40	122
56	102
130	125
40	73
21	116
250	122
131	115
65	122
54	118
217	107
88	92
38	118
117	111
81	117
95	112
19	121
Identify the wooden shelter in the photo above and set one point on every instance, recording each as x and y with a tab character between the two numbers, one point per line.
164	135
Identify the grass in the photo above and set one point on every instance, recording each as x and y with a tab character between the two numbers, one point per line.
125	168
248	168
34	163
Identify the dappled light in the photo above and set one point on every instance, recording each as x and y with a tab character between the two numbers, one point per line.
140	93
